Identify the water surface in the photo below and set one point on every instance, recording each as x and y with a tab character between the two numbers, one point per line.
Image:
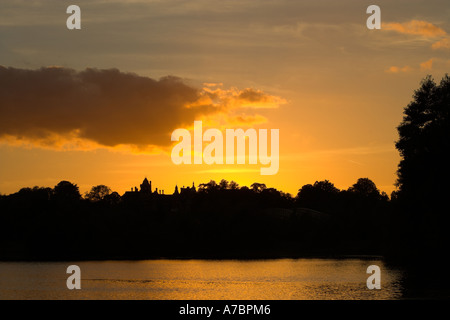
284	279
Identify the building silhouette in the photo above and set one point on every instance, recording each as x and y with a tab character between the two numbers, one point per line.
146	186
146	191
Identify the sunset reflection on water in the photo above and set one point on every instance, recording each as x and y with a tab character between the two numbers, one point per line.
286	279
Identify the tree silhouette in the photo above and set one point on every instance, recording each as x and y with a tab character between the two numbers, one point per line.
112	198
209	187
424	142
258	187
66	192
223	184
424	172
233	185
98	193
320	196
365	187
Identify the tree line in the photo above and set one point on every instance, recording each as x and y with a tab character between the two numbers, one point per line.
225	220
215	220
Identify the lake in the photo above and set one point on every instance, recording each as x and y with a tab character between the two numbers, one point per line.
285	279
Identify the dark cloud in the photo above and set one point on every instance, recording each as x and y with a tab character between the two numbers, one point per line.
53	105
105	106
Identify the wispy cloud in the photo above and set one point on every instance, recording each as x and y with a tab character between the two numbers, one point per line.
395	69
424	29
441	44
415	27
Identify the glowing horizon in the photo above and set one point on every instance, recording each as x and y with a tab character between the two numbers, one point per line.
97	105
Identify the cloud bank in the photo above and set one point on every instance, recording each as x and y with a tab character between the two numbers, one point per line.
58	107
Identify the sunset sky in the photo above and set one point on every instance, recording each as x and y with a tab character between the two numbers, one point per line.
98	105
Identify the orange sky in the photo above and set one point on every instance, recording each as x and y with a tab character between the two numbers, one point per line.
334	89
